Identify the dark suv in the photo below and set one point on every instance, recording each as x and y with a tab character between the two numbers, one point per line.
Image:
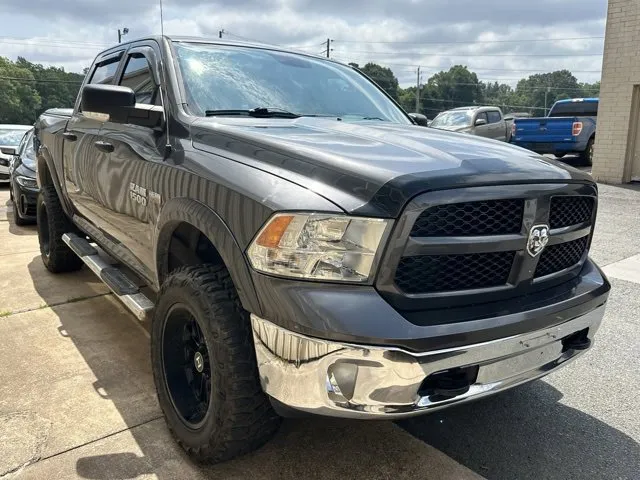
311	249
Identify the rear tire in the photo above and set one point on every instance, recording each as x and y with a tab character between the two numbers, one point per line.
205	369
52	224
587	155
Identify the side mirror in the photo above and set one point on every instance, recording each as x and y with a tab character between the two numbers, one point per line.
419	119
8	150
480	121
106	98
120	104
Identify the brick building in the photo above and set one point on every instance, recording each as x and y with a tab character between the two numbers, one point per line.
617	149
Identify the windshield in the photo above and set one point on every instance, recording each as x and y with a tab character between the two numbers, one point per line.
574	109
11	137
452	119
240	78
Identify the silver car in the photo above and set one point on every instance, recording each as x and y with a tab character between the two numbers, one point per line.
10	137
482	121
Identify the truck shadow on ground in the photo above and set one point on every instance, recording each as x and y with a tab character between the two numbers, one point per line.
527	433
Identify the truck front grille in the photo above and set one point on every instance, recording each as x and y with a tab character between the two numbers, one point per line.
475	249
570	210
444	273
490	217
561	256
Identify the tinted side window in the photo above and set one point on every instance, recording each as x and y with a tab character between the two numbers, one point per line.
104	72
494	116
138	77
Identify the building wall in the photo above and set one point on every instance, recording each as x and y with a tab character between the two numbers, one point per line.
620	72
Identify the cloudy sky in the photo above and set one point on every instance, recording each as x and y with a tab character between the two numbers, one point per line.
492	37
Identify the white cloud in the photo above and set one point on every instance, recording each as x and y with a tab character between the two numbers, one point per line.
88	26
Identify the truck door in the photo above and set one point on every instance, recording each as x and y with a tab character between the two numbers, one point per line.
122	194
482	130
81	158
497	128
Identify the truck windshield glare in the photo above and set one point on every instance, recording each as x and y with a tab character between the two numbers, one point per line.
239	78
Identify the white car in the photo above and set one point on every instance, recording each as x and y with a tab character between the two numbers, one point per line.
10	136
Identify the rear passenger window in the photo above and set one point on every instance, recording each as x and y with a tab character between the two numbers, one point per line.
494	116
138	77
105	72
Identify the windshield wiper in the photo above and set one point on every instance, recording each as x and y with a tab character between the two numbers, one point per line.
260	112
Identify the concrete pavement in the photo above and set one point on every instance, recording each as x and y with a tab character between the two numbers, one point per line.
77	398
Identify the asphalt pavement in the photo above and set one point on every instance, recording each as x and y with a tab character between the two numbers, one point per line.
77	398
582	421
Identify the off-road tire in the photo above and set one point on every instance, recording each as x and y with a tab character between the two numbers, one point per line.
17	219
239	417
52	224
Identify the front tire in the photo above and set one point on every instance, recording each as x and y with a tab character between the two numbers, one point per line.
205	369
17	219
52	224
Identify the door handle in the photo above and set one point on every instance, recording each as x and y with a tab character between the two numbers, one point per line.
104	146
72	137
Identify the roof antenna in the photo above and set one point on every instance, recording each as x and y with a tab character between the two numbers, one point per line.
161	20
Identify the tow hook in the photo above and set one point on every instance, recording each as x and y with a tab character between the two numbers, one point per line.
576	341
449	383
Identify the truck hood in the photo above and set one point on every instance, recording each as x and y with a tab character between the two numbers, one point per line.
371	167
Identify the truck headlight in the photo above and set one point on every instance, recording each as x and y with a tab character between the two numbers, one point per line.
319	246
26	181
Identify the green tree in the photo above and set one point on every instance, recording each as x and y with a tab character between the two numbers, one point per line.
533	91
383	76
457	87
19	98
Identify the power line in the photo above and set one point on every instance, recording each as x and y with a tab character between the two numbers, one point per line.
446	54
383	63
53	40
35	80
52	45
473	42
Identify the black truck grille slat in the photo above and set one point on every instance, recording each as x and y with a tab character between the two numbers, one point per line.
489	217
442	273
570	210
560	256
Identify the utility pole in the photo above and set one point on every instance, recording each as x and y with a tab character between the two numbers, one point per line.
418	91
329	47
546	92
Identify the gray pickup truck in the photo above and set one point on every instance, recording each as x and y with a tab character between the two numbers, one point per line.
308	247
486	122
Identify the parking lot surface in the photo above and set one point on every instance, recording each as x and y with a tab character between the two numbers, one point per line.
77	398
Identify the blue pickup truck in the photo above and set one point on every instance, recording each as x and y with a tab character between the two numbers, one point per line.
569	128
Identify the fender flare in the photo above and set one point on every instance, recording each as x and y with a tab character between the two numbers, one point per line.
45	161
200	216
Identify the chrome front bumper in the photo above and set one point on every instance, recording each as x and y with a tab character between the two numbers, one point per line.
359	381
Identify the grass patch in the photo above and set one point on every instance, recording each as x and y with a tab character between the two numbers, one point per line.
5	313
